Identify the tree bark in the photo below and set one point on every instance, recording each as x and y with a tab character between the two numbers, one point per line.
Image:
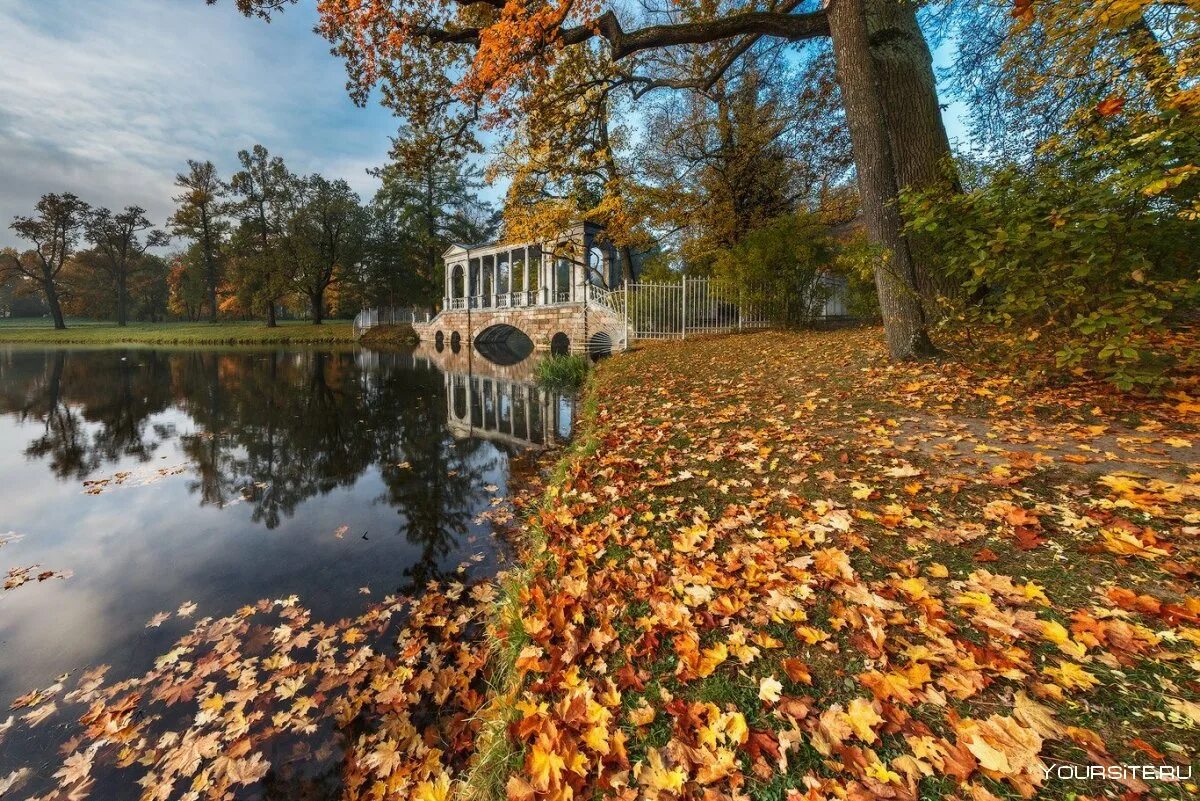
895	276
271	313
52	301
122	311
318	306
916	132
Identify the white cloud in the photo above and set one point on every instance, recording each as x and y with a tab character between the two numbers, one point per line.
109	99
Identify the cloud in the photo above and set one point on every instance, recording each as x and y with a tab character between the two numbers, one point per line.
109	100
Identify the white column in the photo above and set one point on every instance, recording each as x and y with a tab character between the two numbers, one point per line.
525	267
495	280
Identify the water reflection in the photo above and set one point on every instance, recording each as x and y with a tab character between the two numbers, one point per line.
265	454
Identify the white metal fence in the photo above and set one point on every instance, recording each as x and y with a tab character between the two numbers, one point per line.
700	306
369	318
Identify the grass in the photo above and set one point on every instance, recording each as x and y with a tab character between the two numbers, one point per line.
85	332
563	372
389	336
946	488
497	755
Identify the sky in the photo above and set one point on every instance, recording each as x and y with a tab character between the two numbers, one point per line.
109	99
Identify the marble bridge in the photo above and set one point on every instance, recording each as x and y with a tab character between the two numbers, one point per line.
557	294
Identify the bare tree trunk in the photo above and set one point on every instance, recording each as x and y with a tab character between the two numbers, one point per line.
318	306
54	304
916	132
122	312
895	277
271	313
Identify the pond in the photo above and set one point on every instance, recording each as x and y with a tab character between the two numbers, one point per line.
144	490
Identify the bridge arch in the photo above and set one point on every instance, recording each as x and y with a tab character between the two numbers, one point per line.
503	344
560	344
600	345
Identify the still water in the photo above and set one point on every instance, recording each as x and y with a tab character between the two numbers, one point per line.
135	482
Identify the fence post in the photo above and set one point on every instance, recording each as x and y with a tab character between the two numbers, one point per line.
626	315
683	311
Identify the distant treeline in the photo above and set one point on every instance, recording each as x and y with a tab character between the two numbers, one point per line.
263	244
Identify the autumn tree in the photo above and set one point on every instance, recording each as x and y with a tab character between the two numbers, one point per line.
490	52
564	158
722	163
121	239
427	200
54	230
201	207
325	235
187	284
263	186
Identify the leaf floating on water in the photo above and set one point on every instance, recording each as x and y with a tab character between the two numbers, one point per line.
186	609
13	780
158	620
341	531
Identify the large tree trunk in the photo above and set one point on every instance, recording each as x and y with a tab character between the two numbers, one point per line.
53	302
317	299
271	313
895	276
916	132
122	311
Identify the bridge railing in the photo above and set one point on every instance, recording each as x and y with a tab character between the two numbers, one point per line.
389	315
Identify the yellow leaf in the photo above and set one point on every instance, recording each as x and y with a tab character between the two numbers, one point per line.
863	718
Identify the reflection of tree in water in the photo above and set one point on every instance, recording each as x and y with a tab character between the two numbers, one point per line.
273	429
434	481
94	409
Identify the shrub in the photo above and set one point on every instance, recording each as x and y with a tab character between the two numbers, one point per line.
1085	248
778	268
562	372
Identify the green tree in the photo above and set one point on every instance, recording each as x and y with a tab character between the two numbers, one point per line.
326	236
121	240
201	207
54	230
265	187
428	200
779	267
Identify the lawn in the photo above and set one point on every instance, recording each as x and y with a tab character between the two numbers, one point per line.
787	568
86	332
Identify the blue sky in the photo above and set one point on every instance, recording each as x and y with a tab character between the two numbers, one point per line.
109	98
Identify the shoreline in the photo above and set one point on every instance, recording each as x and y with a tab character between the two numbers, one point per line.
291	332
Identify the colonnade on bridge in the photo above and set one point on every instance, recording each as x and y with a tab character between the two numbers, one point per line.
501	275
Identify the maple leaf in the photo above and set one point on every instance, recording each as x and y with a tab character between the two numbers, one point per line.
158	620
40	714
769	689
13	780
863	716
436	790
76	768
544	765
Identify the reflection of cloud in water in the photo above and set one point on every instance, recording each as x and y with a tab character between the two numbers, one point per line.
350	438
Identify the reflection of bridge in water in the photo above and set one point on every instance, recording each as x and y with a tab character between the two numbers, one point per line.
497	402
511	412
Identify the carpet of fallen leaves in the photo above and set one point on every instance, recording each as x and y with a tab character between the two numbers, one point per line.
786	568
775	567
